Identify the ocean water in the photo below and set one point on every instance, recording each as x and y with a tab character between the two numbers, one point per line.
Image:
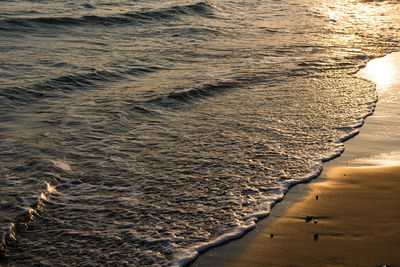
138	133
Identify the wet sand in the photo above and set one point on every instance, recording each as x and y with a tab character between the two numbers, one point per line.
349	216
354	222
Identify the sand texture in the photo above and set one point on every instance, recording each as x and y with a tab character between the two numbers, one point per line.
354	222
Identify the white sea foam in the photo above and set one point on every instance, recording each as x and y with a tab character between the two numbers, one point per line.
62	164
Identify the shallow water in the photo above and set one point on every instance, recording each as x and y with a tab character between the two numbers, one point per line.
138	133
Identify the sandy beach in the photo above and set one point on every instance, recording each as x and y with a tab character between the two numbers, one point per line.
348	216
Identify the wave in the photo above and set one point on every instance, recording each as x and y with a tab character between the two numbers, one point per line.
22	222
57	87
194	94
204	9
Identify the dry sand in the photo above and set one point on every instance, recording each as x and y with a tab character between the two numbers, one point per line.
355	220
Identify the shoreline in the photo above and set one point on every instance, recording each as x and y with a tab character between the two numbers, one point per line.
335	229
376	145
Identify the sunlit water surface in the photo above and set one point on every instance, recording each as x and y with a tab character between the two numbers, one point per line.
140	132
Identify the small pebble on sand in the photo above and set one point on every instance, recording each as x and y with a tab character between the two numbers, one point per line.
315	237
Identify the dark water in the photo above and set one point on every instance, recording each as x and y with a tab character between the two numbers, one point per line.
140	132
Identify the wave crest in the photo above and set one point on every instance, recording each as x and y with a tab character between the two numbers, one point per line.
204	9
22	222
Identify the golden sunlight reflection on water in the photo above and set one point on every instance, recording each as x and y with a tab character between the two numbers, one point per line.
382	71
387	159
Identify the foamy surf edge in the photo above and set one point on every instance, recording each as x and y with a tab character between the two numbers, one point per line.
186	256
